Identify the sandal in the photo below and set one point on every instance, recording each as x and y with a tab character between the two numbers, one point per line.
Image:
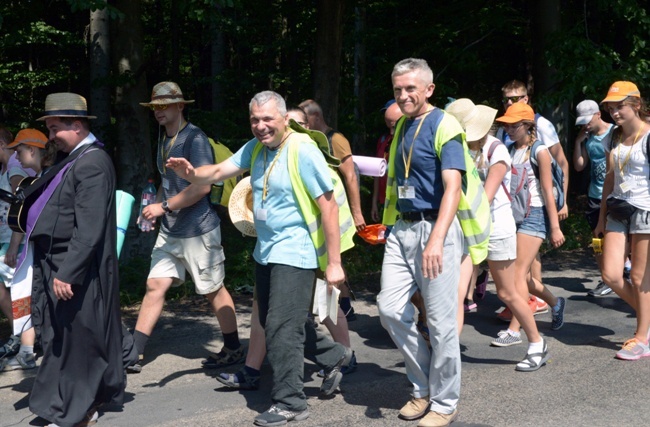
529	361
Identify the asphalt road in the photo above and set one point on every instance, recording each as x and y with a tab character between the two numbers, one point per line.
582	384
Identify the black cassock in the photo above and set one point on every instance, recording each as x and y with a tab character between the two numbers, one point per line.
75	241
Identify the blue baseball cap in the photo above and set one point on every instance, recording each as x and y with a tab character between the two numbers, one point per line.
386	105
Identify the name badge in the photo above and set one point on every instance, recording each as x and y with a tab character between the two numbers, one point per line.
260	215
165	183
626	185
406	192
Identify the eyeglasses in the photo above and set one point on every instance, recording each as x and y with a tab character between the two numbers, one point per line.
158	107
512	98
512	127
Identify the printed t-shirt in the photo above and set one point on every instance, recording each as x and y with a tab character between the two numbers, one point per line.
283	238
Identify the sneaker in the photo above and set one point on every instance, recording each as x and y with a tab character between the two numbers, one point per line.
136	368
21	361
505	315
415	408
633	349
347	369
225	357
470	306
506	339
10	347
249	382
541	306
626	273
276	416
533	361
481	285
558	317
600	290
436	419
333	375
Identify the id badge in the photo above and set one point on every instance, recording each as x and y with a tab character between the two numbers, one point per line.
406	192
165	183
260	215
626	185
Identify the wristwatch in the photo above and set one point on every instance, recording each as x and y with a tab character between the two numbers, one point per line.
165	207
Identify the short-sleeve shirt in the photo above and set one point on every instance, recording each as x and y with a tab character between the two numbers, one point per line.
597	162
634	162
340	146
199	218
501	207
13	169
425	172
522	155
283	237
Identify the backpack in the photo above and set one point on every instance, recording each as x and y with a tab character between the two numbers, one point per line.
219	194
519	193
556	173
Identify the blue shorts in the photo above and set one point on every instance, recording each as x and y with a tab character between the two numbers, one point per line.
536	223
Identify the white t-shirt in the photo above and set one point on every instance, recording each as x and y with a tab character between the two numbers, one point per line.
520	156
501	207
635	171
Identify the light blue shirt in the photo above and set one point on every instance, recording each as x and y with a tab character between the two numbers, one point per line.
597	158
283	238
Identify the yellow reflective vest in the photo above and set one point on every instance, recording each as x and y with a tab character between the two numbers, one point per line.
309	209
473	208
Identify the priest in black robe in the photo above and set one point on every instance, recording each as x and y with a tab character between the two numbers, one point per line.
75	297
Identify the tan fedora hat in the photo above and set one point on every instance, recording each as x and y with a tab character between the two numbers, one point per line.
65	104
166	93
475	119
240	207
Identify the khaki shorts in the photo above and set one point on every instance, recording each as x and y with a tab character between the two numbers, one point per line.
202	256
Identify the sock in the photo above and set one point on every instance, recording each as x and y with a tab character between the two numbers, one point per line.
536	347
345	304
27	349
556	307
140	340
231	340
513	333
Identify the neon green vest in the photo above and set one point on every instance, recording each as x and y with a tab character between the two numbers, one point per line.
473	207
309	208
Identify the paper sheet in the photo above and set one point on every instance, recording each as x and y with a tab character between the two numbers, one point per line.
326	305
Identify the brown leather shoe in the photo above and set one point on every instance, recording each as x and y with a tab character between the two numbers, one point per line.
414	408
436	419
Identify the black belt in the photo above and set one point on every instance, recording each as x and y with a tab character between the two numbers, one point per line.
426	215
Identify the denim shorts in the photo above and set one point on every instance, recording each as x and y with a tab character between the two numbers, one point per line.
639	223
536	223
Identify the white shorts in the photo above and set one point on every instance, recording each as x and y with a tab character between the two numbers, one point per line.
202	256
503	249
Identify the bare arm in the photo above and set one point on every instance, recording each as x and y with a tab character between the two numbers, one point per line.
608	187
204	175
546	184
558	154
432	255
330	219
352	190
580	155
496	173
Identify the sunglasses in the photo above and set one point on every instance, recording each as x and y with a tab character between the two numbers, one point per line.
512	98
158	107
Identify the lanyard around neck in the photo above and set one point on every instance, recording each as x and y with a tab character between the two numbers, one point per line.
407	161
267	174
629	153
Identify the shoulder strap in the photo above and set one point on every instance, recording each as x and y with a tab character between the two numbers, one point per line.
493	147
439	114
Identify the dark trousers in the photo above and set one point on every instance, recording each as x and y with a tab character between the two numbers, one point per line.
284	296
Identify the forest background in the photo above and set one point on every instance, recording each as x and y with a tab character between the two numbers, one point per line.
339	52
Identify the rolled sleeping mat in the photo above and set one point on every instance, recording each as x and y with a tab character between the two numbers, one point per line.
370	166
124	204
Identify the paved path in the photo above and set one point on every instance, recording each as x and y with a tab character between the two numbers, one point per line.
582	385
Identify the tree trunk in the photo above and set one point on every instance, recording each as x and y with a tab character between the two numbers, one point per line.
134	155
217	57
359	137
327	61
100	94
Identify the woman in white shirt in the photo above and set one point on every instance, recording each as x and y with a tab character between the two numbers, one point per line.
626	213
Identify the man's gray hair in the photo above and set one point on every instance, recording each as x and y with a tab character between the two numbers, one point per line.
264	97
413	64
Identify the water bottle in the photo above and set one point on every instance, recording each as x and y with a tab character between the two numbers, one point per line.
216	192
148	198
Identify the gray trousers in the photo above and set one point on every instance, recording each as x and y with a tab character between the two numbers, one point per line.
434	373
284	297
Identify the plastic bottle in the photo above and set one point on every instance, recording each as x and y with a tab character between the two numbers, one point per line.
148	198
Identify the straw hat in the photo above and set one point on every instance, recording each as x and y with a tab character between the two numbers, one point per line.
476	119
621	90
166	93
518	112
240	207
32	137
65	104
